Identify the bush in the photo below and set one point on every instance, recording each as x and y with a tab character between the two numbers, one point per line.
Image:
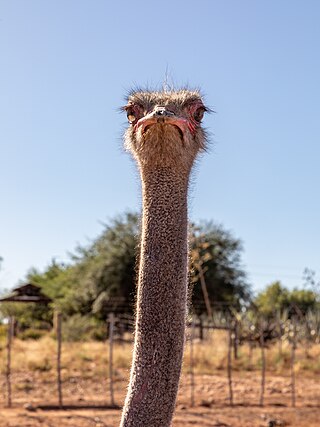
31	334
77	328
40	365
99	332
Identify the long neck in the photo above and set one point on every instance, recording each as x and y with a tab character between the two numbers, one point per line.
161	304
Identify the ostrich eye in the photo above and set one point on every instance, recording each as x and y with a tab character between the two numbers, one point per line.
198	114
131	116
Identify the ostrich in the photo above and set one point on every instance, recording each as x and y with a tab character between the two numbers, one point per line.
164	137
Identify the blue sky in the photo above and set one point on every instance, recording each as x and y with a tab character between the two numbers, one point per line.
64	70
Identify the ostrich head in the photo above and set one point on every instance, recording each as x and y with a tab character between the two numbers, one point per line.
165	128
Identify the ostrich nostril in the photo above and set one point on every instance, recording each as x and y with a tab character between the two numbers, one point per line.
162	112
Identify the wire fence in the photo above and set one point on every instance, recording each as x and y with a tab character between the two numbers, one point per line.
244	343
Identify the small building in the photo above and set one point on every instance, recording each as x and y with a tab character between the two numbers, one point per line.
27	293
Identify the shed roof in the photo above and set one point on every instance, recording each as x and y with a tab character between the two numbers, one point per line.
27	293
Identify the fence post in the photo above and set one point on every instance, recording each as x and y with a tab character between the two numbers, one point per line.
201	337
111	320
236	339
8	367
229	367
279	327
58	331
191	362
292	362
263	366
250	353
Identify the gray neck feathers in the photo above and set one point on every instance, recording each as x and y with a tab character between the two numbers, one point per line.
161	301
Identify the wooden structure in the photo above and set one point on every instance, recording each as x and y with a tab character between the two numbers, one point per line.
27	293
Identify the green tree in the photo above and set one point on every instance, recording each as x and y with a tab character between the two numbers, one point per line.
218	254
39	316
273	298
304	300
110	264
51	280
277	298
104	271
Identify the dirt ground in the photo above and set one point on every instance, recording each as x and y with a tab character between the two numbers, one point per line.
88	408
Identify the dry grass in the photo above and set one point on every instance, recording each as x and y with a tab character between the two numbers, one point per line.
87	359
90	359
86	382
210	356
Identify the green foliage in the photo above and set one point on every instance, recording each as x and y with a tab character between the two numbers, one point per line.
31	334
277	298
102	275
105	271
77	328
37	315
55	282
218	253
273	298
305	299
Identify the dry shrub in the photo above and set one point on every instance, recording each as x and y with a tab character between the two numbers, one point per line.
43	365
33	334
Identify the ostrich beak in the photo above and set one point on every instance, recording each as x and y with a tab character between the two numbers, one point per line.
161	115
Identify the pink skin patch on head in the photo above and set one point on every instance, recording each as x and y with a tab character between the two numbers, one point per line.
192	123
149	119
